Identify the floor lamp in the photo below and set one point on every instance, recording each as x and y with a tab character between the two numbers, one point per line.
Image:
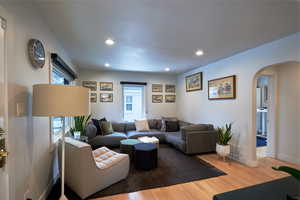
60	101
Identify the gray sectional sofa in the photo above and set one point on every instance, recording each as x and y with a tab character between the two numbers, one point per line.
190	139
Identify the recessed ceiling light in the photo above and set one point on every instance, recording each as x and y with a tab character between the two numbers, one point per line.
167	69
109	42
107	65
199	53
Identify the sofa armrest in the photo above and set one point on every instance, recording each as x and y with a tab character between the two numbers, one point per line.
199	141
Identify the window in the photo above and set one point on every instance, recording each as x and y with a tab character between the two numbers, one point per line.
128	103
134	102
57	77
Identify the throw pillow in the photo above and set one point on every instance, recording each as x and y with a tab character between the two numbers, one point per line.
106	127
172	126
96	122
142	125
163	122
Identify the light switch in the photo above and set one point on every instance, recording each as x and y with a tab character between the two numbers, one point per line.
21	110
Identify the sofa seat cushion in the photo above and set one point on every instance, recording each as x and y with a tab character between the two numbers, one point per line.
151	133
112	140
116	134
174	138
106	158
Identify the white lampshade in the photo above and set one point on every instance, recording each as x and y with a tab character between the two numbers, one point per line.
60	100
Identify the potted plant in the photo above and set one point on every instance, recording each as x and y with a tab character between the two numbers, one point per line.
293	172
80	123
224	135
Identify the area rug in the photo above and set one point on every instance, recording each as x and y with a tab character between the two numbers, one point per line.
174	167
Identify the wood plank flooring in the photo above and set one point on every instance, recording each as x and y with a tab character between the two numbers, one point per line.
239	176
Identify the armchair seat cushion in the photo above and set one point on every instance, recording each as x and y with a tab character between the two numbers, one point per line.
106	158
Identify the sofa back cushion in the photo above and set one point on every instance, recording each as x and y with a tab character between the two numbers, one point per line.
172	126
130	126
163	122
154	123
119	127
199	127
205	127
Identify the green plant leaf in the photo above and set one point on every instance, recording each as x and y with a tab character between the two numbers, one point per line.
224	134
292	171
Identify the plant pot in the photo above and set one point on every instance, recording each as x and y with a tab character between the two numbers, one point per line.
77	134
223	150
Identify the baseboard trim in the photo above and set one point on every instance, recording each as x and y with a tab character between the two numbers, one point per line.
288	158
47	190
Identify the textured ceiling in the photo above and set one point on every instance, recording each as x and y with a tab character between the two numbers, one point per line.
153	35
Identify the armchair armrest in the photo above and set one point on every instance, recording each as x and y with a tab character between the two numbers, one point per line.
196	128
198	141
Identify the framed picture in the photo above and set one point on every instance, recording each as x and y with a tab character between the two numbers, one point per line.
106	86
92	85
93	97
222	88
106	97
170	98
157	87
157	98
193	82
170	89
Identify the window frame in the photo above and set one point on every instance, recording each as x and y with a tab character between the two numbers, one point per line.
144	101
68	120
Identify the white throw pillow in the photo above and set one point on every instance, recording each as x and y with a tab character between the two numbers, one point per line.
142	125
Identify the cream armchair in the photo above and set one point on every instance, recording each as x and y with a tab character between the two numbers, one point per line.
88	172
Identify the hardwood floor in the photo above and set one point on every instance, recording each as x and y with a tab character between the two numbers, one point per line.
239	176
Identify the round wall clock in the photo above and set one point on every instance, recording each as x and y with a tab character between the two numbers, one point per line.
36	53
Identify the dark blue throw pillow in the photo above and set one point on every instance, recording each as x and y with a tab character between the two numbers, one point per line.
96	122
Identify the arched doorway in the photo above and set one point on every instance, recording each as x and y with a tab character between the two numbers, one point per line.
279	111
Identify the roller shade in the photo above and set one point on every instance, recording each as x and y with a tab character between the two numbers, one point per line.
132	83
61	67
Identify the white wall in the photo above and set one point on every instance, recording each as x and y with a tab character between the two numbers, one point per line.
31	162
114	111
289	112
195	106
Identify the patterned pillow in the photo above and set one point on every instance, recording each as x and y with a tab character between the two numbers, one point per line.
106	127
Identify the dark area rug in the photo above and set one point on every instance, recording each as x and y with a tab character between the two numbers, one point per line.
174	167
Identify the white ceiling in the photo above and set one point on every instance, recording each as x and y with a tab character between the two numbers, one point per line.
153	35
